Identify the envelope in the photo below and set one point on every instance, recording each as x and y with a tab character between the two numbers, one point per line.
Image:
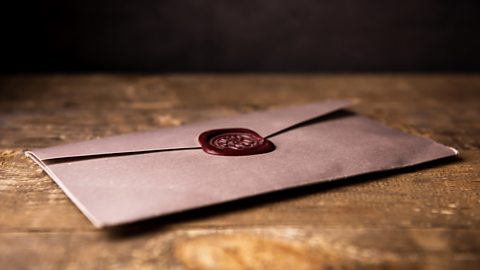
131	177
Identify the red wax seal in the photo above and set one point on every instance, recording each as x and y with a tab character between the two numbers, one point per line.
234	142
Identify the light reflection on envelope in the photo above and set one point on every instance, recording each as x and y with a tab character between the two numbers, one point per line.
131	177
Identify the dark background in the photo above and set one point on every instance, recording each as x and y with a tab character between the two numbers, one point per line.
240	36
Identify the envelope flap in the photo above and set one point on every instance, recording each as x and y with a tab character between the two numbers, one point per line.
264	123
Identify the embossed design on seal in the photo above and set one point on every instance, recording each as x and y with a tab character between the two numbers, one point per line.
234	142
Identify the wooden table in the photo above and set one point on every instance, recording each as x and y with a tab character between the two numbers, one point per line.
427	217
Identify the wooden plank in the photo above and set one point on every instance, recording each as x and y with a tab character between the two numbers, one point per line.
425	217
251	247
48	110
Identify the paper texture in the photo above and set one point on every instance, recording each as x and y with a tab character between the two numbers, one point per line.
124	178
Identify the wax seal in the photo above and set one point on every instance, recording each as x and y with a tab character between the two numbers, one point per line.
234	142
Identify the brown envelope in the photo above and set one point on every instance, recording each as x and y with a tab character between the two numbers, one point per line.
131	177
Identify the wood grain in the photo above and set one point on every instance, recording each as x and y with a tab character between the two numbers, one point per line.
426	217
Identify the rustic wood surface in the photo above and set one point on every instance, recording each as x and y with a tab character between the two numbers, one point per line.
427	217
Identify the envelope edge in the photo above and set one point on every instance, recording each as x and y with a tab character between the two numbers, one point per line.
97	223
